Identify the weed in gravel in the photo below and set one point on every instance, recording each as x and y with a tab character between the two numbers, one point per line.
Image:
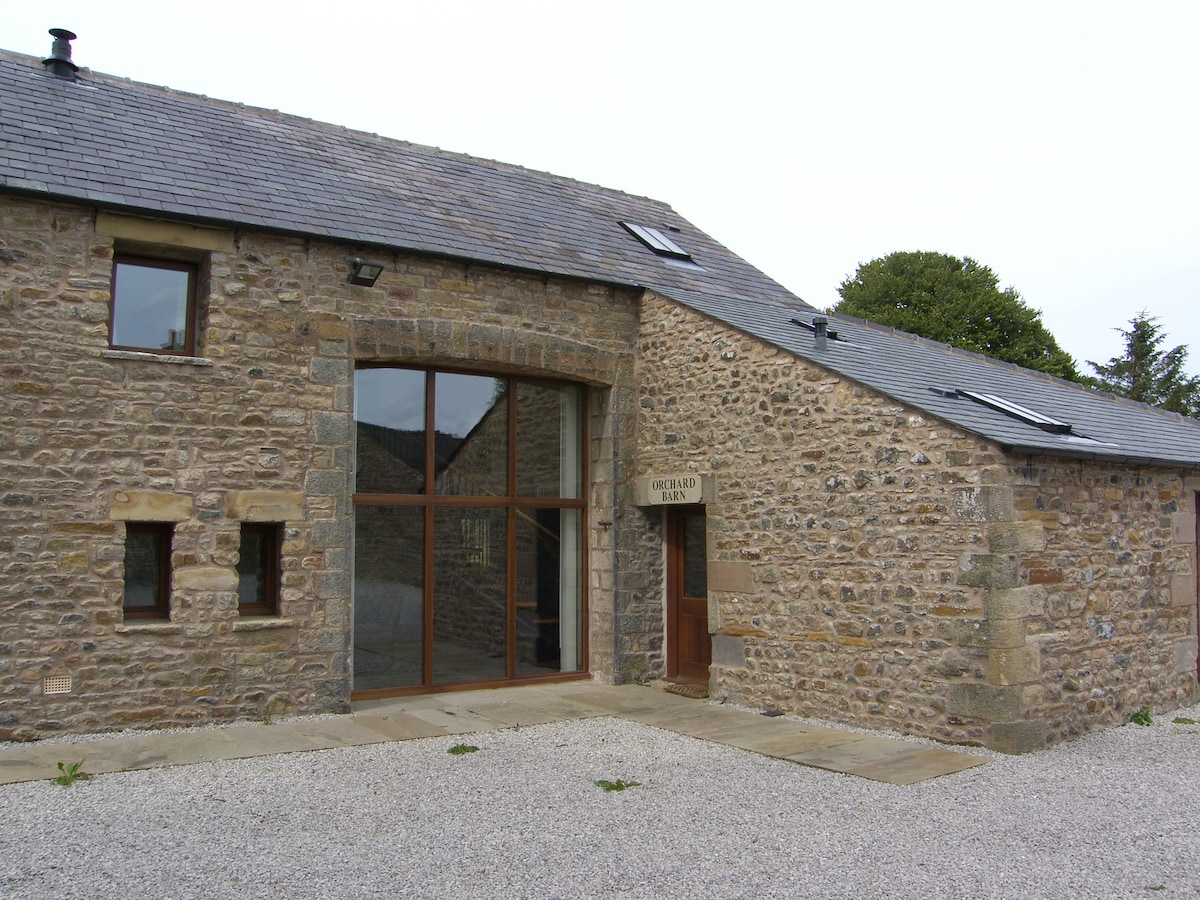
71	773
619	785
1183	720
1141	717
460	749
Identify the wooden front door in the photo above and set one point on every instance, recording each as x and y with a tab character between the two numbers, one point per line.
689	645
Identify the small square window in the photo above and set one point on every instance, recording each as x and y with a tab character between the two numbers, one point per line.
258	568
153	306
148	570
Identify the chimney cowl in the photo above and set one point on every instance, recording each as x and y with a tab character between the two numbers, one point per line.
59	61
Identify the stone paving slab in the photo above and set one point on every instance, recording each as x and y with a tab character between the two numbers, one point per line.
456	720
521	715
434	715
920	765
399	726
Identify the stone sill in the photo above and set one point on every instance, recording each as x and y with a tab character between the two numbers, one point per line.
156	357
150	628
264	623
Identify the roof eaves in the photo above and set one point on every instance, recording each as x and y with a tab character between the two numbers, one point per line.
155	208
1072	453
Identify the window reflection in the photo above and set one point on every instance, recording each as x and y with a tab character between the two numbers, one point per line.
494	590
695	556
151	305
471	435
548	434
389	607
389	409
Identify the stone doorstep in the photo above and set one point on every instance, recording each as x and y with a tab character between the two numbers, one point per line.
867	756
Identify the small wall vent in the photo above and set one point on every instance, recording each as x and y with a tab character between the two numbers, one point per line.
56	684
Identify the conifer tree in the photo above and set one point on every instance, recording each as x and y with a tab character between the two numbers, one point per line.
1148	373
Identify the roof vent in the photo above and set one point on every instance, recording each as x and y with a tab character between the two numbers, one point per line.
821	331
59	61
819	326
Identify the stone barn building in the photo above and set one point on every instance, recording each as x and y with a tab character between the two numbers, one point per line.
294	415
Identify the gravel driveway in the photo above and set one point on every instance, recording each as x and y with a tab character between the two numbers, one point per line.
1115	814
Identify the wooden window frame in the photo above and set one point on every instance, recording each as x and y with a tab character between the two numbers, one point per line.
165	534
515	505
190	316
270	562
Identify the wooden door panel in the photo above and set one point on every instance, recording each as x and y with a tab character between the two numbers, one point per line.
689	644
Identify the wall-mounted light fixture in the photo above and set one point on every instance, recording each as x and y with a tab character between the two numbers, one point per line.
365	273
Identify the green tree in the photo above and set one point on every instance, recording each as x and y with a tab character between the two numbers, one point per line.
1148	373
955	301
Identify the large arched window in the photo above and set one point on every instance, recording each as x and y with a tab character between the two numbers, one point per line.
469	521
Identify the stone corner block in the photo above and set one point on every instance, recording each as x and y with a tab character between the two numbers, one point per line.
1019	665
990	702
998	634
264	506
1016	737
1184	652
1183	589
1183	528
990	570
732	576
997	475
1016	537
149	506
984	503
728	651
1015	603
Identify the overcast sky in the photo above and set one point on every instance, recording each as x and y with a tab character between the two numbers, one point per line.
1056	142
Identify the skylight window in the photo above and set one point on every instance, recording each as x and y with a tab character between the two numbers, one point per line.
656	241
1053	426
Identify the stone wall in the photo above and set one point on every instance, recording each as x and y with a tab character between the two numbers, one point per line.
1107	595
258	427
871	565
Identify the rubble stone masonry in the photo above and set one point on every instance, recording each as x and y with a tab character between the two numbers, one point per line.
257	427
875	566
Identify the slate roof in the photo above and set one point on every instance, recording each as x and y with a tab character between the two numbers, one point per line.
928	376
118	144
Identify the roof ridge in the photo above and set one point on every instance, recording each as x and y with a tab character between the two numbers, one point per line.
118	80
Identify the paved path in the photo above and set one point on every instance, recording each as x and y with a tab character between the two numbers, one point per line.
438	715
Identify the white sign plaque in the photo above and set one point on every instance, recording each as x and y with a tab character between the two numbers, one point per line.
665	489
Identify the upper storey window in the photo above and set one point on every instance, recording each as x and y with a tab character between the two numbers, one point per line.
153	305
